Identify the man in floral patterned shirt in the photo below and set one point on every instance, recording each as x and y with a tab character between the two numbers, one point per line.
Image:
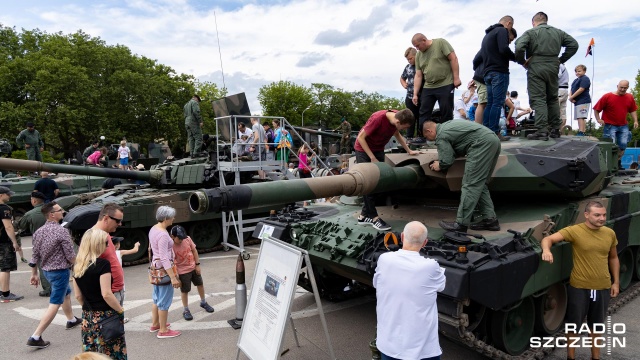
53	250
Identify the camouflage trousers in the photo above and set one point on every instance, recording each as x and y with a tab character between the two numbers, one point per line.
481	160
345	145
33	153
194	137
542	85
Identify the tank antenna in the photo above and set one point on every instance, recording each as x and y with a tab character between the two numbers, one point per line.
215	18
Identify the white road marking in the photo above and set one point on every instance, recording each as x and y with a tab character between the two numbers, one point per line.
142	322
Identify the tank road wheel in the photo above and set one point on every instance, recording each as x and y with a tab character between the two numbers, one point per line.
626	268
512	329
205	234
551	308
636	274
131	236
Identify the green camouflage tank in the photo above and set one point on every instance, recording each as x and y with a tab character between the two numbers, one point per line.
498	292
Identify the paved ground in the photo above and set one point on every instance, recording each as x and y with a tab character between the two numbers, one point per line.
208	336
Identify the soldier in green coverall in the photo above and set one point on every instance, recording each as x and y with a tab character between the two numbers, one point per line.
542	45
32	142
193	124
481	146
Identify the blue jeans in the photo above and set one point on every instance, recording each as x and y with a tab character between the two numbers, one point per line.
385	357
619	134
497	85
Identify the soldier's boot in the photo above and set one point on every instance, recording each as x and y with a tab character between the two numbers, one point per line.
486	224
539	136
555	134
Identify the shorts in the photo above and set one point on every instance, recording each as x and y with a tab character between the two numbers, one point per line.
124	161
59	280
482	92
187	279
581	111
585	302
8	258
619	134
119	296
162	296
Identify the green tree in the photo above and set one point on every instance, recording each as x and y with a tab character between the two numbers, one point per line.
286	99
76	87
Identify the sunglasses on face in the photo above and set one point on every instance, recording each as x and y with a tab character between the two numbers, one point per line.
119	221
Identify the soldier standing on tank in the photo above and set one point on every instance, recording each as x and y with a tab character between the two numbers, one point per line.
193	123
542	45
345	141
481	146
32	142
595	260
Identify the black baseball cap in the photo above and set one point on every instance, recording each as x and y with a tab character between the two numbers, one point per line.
6	190
179	232
116	239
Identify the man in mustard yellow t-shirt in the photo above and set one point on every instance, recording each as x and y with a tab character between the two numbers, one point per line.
594	255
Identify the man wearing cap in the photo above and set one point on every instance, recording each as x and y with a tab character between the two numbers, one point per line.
32	142
31	221
47	186
90	150
8	247
53	251
193	124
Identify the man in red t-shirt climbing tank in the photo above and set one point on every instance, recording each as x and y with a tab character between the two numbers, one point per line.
370	143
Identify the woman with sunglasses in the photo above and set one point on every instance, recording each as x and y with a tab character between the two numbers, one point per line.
92	286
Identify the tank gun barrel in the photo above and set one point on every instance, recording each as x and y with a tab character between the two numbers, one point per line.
151	176
362	179
318	132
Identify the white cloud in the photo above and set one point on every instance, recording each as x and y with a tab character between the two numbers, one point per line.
350	44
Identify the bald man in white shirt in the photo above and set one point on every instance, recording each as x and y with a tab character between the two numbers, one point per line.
406	290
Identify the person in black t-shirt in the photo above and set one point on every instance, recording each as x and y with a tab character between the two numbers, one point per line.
8	246
47	186
91	281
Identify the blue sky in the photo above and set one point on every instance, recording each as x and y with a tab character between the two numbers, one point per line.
350	44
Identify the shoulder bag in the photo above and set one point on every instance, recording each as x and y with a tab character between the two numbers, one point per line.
159	276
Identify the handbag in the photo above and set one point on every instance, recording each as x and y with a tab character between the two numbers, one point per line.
159	276
112	327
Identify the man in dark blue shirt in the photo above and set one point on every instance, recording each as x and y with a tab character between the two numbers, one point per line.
47	186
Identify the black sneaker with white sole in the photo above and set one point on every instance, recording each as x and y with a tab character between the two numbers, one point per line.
365	220
381	225
39	344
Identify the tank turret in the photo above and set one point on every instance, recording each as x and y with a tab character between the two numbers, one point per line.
170	183
498	293
566	168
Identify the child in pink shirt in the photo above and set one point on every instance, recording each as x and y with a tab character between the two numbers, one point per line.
188	265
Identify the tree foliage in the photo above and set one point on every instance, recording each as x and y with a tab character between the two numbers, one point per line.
323	105
76	88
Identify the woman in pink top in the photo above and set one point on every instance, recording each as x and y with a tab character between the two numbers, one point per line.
162	256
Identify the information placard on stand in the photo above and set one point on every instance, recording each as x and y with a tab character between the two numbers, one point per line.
269	304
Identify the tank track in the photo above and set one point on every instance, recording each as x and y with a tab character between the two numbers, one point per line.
203	251
492	352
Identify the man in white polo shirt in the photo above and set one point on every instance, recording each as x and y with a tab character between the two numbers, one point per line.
406	290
